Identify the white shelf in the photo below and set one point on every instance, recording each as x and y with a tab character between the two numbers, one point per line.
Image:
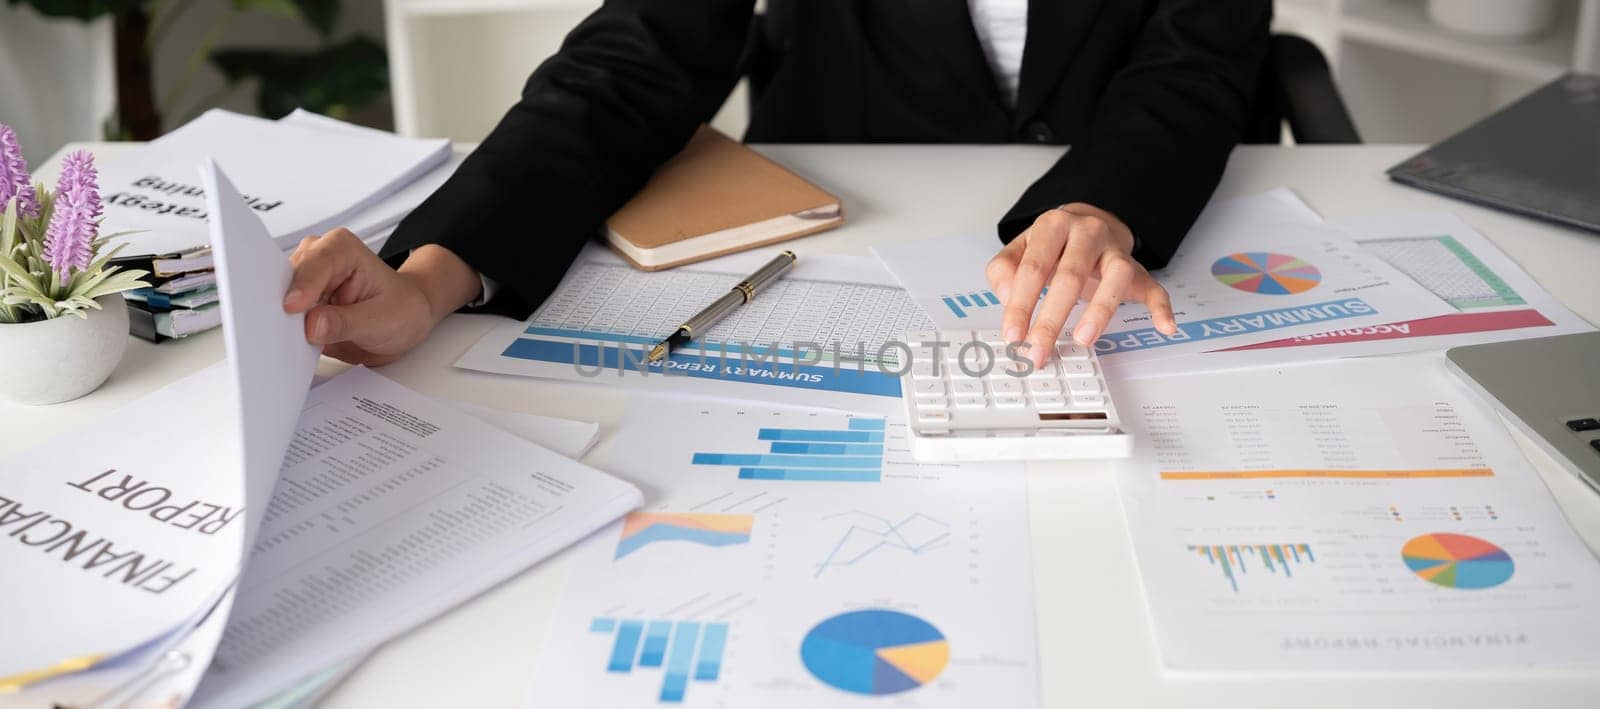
1408	80
1403	26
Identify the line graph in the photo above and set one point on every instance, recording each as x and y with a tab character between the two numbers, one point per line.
869	533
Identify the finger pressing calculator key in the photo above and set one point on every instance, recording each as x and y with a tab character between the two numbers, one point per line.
1005	409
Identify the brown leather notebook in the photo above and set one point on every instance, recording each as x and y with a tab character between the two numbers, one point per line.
714	198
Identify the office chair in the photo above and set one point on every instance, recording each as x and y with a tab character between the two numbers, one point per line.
1296	86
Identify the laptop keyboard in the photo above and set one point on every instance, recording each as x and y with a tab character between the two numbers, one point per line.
1586	425
1581	425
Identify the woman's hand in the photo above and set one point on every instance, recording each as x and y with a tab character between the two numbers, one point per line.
364	312
1078	251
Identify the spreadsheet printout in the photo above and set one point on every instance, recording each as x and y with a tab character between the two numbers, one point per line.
825	334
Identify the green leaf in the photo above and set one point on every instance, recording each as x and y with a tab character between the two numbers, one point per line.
322	15
333	80
117	283
20	275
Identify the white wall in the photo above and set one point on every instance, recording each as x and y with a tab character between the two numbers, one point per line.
459	64
56	82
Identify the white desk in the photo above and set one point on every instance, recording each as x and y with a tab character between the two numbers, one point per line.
1095	642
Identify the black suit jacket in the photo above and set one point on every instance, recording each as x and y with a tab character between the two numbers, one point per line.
1151	94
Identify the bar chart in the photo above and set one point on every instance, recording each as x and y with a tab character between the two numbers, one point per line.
960	303
851	454
1232	559
683	649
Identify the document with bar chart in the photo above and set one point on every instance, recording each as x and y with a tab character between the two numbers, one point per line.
802	560
1353	515
822	335
1252	269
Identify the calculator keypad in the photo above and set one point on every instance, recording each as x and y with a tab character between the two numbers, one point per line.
962	382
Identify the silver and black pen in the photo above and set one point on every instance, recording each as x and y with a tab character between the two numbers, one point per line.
742	293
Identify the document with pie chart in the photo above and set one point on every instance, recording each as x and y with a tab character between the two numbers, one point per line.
802	559
1251	270
1260	268
1356	515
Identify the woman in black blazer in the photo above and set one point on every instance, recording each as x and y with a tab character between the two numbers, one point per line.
1151	95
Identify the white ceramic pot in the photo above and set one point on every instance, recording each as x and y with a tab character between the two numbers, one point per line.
51	361
1495	19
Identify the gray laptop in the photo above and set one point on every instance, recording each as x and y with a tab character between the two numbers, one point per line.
1537	156
1549	387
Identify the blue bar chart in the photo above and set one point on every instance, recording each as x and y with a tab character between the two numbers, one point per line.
685	649
851	454
962	302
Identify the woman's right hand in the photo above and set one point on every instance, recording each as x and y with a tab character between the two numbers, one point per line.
364	312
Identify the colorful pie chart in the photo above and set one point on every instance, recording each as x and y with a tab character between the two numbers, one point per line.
1458	561
1266	273
875	652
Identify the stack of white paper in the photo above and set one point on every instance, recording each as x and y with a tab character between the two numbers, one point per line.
302	176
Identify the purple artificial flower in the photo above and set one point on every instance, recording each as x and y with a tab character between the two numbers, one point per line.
68	241
14	177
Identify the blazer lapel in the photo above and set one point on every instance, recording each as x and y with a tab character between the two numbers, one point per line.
948	24
1056	29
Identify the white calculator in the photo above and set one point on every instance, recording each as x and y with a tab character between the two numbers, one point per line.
967	399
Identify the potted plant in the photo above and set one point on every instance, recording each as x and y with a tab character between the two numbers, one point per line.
63	327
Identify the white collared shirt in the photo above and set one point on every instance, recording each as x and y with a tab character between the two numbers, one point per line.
1002	27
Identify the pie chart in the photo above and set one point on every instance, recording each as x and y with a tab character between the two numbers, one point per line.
1266	273
1458	561
875	652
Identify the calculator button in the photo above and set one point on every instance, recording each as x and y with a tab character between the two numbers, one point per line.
1083	385
932	402
971	402
922	354
1007	369
1045	386
933	417
1087	400
1050	402
1006	387
1009	401
922	337
1071	351
1048	371
924	370
1077	369
976	362
994	338
928	388
972	387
